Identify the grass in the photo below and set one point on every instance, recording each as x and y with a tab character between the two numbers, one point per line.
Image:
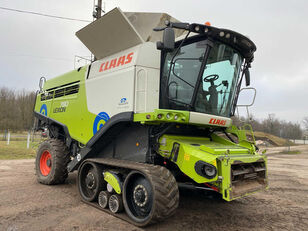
17	150
276	140
290	152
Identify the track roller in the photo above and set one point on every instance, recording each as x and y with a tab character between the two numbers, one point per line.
115	203
103	199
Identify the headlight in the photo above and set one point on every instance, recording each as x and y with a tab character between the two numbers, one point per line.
209	171
205	169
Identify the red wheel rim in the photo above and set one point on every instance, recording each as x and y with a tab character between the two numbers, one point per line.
45	163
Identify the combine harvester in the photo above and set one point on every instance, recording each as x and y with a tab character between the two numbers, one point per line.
149	115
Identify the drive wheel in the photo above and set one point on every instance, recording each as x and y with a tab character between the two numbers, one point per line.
90	181
150	197
51	162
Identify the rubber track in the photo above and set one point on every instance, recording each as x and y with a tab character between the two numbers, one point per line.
166	193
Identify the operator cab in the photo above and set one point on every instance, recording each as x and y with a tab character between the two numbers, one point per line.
203	72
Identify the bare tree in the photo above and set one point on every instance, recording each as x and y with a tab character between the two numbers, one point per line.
16	109
273	125
305	122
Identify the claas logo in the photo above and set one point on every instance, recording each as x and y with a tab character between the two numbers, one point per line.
217	121
120	61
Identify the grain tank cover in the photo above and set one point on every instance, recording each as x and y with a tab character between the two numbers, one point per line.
116	31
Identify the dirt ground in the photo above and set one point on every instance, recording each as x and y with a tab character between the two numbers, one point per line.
27	205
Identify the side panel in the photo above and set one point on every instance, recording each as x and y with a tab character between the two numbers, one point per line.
70	110
147	89
207	119
131	143
112	92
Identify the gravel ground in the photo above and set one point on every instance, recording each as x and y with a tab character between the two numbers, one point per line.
28	205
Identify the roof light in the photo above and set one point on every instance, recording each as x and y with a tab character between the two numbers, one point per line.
221	34
207	24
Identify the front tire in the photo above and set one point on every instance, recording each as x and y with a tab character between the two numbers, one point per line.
51	162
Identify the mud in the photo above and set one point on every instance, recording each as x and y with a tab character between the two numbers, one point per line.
28	205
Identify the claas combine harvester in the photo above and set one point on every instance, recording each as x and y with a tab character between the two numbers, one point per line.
150	114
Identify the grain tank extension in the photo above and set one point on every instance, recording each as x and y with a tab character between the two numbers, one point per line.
152	113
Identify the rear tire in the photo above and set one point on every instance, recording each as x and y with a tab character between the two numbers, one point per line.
51	162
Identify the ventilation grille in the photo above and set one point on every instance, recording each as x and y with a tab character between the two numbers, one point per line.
60	91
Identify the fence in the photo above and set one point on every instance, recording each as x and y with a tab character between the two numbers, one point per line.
27	137
301	141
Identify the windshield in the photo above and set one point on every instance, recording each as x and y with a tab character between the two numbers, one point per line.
219	77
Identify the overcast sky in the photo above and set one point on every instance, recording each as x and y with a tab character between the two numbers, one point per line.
34	46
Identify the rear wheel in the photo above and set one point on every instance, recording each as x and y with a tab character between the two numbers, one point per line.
51	161
90	181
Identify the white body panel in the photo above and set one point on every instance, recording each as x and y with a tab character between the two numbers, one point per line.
201	118
124	82
147	89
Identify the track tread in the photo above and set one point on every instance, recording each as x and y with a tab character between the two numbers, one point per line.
166	194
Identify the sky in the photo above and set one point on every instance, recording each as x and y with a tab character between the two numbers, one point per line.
33	46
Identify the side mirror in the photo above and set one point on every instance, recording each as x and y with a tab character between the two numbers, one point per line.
41	83
168	42
247	76
246	97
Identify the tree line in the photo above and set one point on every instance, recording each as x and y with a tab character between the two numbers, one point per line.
16	109
274	126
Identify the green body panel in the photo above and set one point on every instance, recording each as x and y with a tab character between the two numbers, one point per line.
216	151
224	169
188	154
75	116
66	78
162	115
113	180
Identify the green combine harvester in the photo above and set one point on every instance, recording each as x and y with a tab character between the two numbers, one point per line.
150	114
